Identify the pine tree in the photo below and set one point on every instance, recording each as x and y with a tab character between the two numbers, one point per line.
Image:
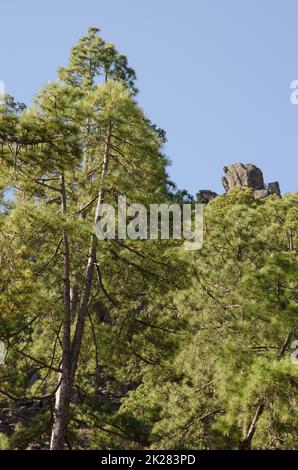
230	382
80	144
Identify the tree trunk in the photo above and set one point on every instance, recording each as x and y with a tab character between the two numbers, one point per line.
246	443
71	352
77	340
62	396
62	399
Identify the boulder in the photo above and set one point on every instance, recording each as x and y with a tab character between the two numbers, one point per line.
205	195
273	188
243	174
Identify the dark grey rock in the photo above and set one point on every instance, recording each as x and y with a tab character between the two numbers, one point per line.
205	195
273	188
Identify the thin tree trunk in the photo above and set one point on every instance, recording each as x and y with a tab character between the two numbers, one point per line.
71	351
63	392
246	443
76	344
285	344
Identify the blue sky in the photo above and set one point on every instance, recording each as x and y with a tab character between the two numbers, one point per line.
215	74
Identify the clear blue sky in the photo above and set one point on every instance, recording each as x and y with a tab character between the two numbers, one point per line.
215	74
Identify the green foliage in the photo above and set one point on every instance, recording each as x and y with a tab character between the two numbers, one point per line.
240	308
181	350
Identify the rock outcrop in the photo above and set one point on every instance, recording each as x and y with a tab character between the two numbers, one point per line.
242	174
249	175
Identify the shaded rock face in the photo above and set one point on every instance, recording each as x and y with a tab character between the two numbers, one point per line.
273	188
243	174
205	195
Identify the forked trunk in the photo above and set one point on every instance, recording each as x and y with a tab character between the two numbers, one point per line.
71	352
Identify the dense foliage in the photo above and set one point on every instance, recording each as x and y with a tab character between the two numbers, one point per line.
134	344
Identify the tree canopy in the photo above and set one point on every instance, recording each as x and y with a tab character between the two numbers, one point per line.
133	344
